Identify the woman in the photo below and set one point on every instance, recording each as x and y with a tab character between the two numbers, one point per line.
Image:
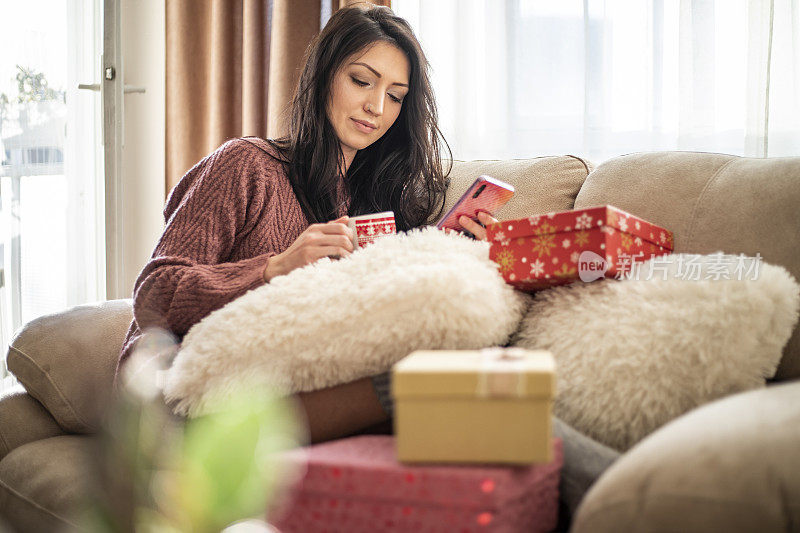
362	138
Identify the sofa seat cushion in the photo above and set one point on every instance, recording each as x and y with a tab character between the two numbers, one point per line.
67	360
728	466
23	419
44	483
711	202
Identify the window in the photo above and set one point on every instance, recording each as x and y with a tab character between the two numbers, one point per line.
600	78
51	210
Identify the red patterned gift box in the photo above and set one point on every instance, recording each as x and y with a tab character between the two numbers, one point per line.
557	248
357	485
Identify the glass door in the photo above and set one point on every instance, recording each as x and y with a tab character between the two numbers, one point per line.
52	250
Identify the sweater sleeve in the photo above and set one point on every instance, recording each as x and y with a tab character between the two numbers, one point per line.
188	275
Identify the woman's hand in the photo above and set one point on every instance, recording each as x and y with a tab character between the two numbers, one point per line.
333	239
477	228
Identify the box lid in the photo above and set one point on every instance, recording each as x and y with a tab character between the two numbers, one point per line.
493	372
580	219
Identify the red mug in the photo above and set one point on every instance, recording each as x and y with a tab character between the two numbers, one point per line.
368	228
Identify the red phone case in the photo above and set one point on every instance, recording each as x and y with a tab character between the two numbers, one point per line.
493	196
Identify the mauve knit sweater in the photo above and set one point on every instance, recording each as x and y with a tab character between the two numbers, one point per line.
225	218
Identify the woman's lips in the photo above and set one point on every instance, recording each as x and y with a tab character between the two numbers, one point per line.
363	128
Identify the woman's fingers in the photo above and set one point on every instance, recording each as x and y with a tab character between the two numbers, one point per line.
334	252
334	239
473	227
330	244
486	219
478	229
336	227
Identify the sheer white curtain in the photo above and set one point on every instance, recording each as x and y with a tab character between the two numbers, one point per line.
600	78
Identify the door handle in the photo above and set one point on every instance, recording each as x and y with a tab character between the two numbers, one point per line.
96	87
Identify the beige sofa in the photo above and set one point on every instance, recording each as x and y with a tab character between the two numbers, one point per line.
733	465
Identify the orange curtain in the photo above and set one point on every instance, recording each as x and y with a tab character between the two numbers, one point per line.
232	66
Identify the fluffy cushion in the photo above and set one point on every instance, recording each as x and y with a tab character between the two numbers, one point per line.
337	321
633	354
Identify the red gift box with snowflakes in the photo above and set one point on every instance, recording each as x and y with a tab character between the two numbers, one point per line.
558	248
357	485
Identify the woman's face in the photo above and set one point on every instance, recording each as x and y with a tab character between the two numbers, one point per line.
367	94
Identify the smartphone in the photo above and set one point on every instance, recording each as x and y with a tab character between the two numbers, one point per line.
485	194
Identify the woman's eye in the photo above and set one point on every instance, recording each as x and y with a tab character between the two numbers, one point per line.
361	83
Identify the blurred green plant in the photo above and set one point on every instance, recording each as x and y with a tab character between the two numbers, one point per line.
228	469
32	86
159	472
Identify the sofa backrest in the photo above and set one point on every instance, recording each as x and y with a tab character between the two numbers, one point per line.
712	202
542	184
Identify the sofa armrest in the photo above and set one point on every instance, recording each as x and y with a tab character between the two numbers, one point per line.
23	420
67	360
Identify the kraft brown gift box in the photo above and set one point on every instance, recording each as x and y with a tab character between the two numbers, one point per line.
487	406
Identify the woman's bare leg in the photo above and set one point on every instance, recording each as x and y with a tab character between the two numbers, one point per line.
341	410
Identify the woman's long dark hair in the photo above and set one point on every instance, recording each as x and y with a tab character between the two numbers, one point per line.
401	171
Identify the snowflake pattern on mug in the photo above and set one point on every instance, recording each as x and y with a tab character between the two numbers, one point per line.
369	229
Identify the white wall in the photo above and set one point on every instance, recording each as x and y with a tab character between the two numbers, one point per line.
143	48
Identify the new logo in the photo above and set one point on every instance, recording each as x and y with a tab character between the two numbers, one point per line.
591	266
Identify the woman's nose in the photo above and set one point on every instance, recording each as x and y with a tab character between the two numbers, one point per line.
374	106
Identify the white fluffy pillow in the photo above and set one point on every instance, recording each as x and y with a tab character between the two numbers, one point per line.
632	355
337	321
